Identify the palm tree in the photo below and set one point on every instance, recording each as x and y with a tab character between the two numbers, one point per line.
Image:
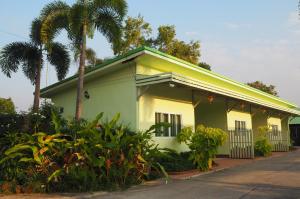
80	21
29	55
91	58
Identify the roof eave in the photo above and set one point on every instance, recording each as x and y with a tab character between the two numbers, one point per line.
176	78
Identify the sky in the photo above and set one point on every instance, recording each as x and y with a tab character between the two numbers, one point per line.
245	40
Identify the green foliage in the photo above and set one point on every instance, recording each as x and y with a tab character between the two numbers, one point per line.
7	106
30	122
137	32
166	42
262	147
263	87
203	144
173	161
79	156
204	65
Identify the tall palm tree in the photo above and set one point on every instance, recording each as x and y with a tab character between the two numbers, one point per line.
80	21
29	56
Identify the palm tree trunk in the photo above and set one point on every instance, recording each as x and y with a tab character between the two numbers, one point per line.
36	101
81	75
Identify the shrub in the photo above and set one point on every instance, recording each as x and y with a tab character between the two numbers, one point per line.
12	123
82	156
30	122
173	161
203	144
262	147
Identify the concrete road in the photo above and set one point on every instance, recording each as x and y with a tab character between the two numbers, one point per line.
270	178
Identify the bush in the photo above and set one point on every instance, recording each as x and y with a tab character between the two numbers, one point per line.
262	147
29	122
82	156
173	161
12	123
203	143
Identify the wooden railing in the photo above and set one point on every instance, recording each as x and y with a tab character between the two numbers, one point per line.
241	143
278	140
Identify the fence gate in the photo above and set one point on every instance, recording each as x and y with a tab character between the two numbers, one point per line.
241	144
278	141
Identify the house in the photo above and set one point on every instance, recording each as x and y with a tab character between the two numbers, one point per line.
147	86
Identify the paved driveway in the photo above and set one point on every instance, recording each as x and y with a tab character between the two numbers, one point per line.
277	177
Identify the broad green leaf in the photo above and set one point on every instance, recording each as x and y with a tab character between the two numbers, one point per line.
55	174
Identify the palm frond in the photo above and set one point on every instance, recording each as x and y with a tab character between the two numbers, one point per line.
77	17
109	25
60	59
35	31
20	53
54	18
119	7
91	56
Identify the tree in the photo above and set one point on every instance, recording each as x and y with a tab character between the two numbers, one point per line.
80	21
136	33
29	55
204	65
263	87
7	106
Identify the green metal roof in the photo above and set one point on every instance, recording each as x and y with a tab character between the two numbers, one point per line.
141	50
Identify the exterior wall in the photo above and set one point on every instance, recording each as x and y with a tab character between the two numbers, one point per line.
259	119
241	116
213	115
166	100
274	121
111	94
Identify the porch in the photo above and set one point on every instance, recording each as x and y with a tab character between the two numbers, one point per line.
183	101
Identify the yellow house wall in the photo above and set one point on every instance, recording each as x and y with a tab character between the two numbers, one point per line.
241	116
274	121
259	119
213	115
111	94
166	100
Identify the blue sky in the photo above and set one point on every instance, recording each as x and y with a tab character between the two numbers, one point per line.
245	40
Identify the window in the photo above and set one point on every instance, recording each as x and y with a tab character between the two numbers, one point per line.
274	129
240	125
175	124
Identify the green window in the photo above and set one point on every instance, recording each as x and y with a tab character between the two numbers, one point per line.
175	124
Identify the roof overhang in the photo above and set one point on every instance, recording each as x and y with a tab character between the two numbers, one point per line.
142	80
